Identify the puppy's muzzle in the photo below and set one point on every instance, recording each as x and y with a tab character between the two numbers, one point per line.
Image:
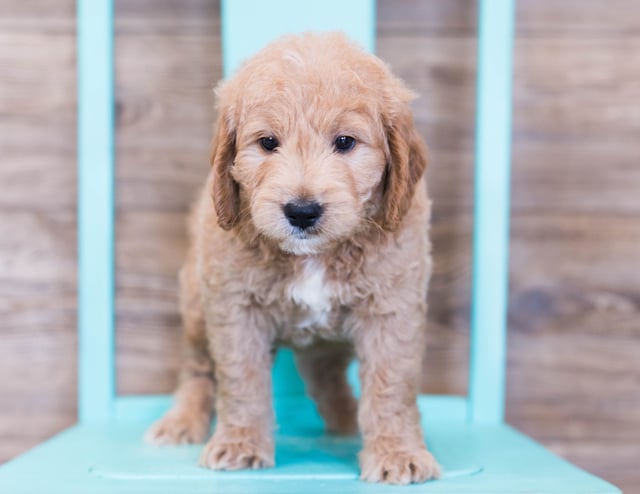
303	214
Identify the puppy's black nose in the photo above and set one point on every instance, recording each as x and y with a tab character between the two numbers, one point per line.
303	214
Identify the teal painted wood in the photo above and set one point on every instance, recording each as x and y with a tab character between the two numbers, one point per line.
96	360
110	458
248	25
491	212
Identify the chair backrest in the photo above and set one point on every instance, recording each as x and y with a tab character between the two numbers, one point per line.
246	26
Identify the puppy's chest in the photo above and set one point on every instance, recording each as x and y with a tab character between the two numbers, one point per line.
311	306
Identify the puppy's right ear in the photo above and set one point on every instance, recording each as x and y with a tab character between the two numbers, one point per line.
226	191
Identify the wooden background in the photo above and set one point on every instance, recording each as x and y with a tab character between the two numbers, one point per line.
574	321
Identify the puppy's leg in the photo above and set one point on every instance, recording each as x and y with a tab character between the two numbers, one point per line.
323	368
241	344
189	420
390	351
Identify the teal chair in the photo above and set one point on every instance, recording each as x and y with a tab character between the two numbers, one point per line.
104	452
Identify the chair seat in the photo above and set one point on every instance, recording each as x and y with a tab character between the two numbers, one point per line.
112	458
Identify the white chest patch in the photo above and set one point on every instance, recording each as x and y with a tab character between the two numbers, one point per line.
312	294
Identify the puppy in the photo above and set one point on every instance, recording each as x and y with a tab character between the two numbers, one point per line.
316	238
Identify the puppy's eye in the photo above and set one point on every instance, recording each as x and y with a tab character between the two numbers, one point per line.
344	144
269	143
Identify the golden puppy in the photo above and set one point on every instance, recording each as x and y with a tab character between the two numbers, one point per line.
316	238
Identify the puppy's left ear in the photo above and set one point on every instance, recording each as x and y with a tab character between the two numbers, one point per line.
406	163
226	191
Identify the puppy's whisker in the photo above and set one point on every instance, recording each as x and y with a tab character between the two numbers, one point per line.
247	229
372	222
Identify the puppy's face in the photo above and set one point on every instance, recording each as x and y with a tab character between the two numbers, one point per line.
308	164
306	147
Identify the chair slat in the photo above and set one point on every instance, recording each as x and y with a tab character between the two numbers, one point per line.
96	362
248	25
491	212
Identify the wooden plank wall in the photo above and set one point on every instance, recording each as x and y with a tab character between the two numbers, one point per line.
574	322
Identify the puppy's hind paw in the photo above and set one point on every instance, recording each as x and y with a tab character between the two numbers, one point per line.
178	427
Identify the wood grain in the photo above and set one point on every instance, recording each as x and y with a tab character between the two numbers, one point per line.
569	18
37	326
37	223
574	319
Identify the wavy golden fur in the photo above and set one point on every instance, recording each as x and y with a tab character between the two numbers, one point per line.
353	284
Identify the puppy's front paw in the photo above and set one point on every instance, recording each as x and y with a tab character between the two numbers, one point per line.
398	467
179	427
237	452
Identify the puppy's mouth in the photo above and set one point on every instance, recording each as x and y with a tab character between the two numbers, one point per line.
305	234
303	241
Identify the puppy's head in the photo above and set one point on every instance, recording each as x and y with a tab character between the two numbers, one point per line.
315	141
